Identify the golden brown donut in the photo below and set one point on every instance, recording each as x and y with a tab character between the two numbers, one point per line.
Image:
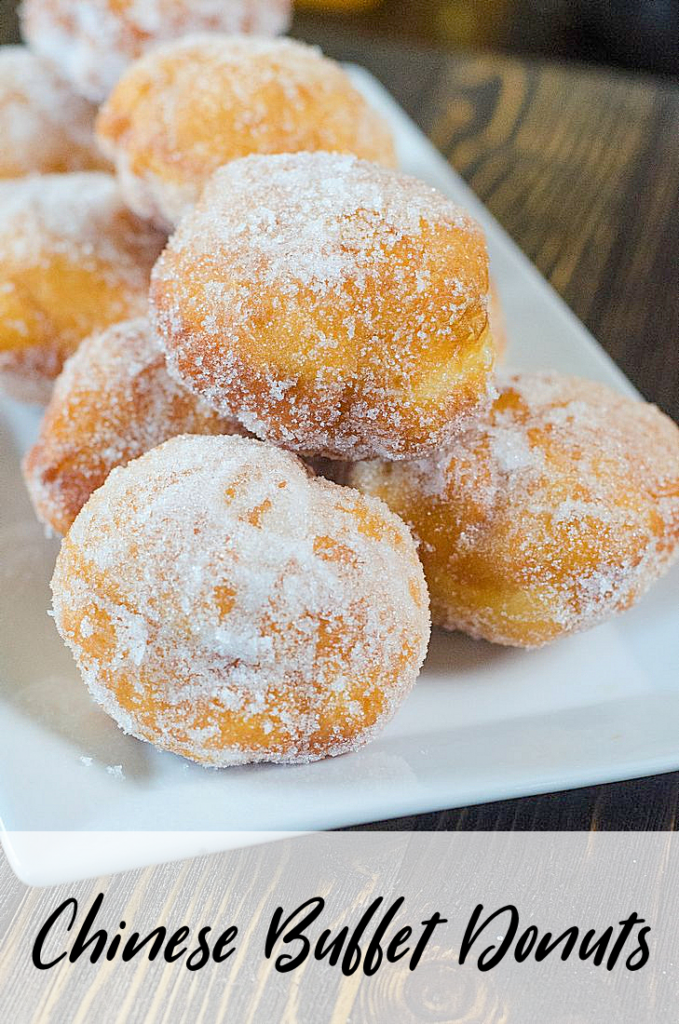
44	126
113	401
546	517
497	321
94	41
223	604
196	104
335	307
73	260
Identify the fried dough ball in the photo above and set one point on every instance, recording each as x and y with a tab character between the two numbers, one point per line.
223	604
113	401
44	126
335	307
73	260
95	40
192	106
496	319
551	514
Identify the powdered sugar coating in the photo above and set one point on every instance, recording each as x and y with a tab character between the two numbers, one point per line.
335	307
224	604
113	401
44	126
191	106
551	514
73	215
94	41
73	259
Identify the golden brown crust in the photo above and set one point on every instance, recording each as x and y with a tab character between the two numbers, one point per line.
551	514
336	308
73	260
93	41
192	106
224	605
113	401
497	321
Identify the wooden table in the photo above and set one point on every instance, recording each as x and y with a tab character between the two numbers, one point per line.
581	166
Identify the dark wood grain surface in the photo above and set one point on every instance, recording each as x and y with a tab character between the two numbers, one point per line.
581	166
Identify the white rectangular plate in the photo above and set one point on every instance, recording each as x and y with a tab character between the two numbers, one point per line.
483	723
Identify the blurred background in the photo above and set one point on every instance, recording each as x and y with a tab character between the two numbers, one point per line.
637	34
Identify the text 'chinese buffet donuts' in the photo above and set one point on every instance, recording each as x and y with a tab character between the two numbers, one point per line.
551	514
73	260
44	126
113	401
335	307
224	604
94	41
188	108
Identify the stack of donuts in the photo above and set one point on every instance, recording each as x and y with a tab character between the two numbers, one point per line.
277	443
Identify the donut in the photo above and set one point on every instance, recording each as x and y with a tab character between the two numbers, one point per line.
94	41
113	401
336	308
497	321
225	605
72	260
45	128
191	106
546	517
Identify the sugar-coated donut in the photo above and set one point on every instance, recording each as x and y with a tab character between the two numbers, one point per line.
496	319
554	512
73	260
94	41
196	104
44	127
223	604
335	307
113	401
